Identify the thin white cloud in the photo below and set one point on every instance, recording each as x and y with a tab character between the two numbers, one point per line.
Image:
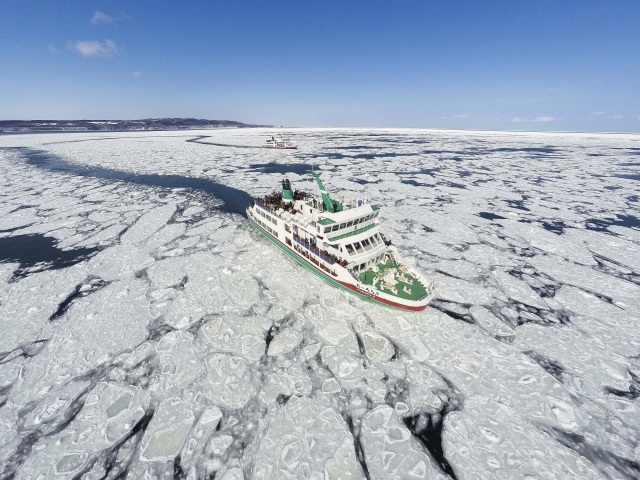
518	119
53	50
617	117
599	112
462	115
126	16
136	73
101	17
94	49
544	119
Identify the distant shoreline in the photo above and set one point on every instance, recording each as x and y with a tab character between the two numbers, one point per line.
228	125
143	125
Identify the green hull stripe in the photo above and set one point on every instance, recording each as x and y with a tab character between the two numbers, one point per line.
350	234
308	267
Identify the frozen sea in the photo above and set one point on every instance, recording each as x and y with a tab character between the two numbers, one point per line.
147	331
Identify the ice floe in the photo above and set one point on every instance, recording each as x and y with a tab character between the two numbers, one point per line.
147	331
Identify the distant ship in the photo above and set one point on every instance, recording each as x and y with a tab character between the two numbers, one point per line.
280	143
342	243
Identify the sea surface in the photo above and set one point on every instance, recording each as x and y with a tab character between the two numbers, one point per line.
148	330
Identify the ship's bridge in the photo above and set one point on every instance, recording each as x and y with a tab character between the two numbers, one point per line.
337	226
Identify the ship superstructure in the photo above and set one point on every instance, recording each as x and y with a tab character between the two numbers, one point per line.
340	242
279	143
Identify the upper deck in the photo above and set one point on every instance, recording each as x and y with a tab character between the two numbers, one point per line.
346	233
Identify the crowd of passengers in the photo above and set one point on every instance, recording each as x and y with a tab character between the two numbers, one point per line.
274	200
325	255
271	201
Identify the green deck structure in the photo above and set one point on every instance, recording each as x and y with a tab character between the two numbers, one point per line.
331	205
355	232
416	289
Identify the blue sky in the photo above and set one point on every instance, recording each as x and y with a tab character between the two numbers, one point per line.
536	65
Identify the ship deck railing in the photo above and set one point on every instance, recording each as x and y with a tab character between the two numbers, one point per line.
314	250
264	205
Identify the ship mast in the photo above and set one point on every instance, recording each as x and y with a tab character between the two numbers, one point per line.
325	196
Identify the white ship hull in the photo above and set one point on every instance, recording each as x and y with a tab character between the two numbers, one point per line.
280	226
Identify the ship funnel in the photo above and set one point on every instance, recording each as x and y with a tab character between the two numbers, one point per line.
287	193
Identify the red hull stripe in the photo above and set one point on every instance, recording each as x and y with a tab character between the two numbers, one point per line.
344	284
383	300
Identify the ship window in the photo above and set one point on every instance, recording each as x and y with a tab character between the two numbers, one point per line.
362	266
349	248
335	227
349	224
288	241
342	225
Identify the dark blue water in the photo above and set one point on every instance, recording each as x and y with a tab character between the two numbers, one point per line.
199	139
629	176
31	250
234	200
519	204
556	226
364	182
490	216
284	168
415	183
36	249
621	220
